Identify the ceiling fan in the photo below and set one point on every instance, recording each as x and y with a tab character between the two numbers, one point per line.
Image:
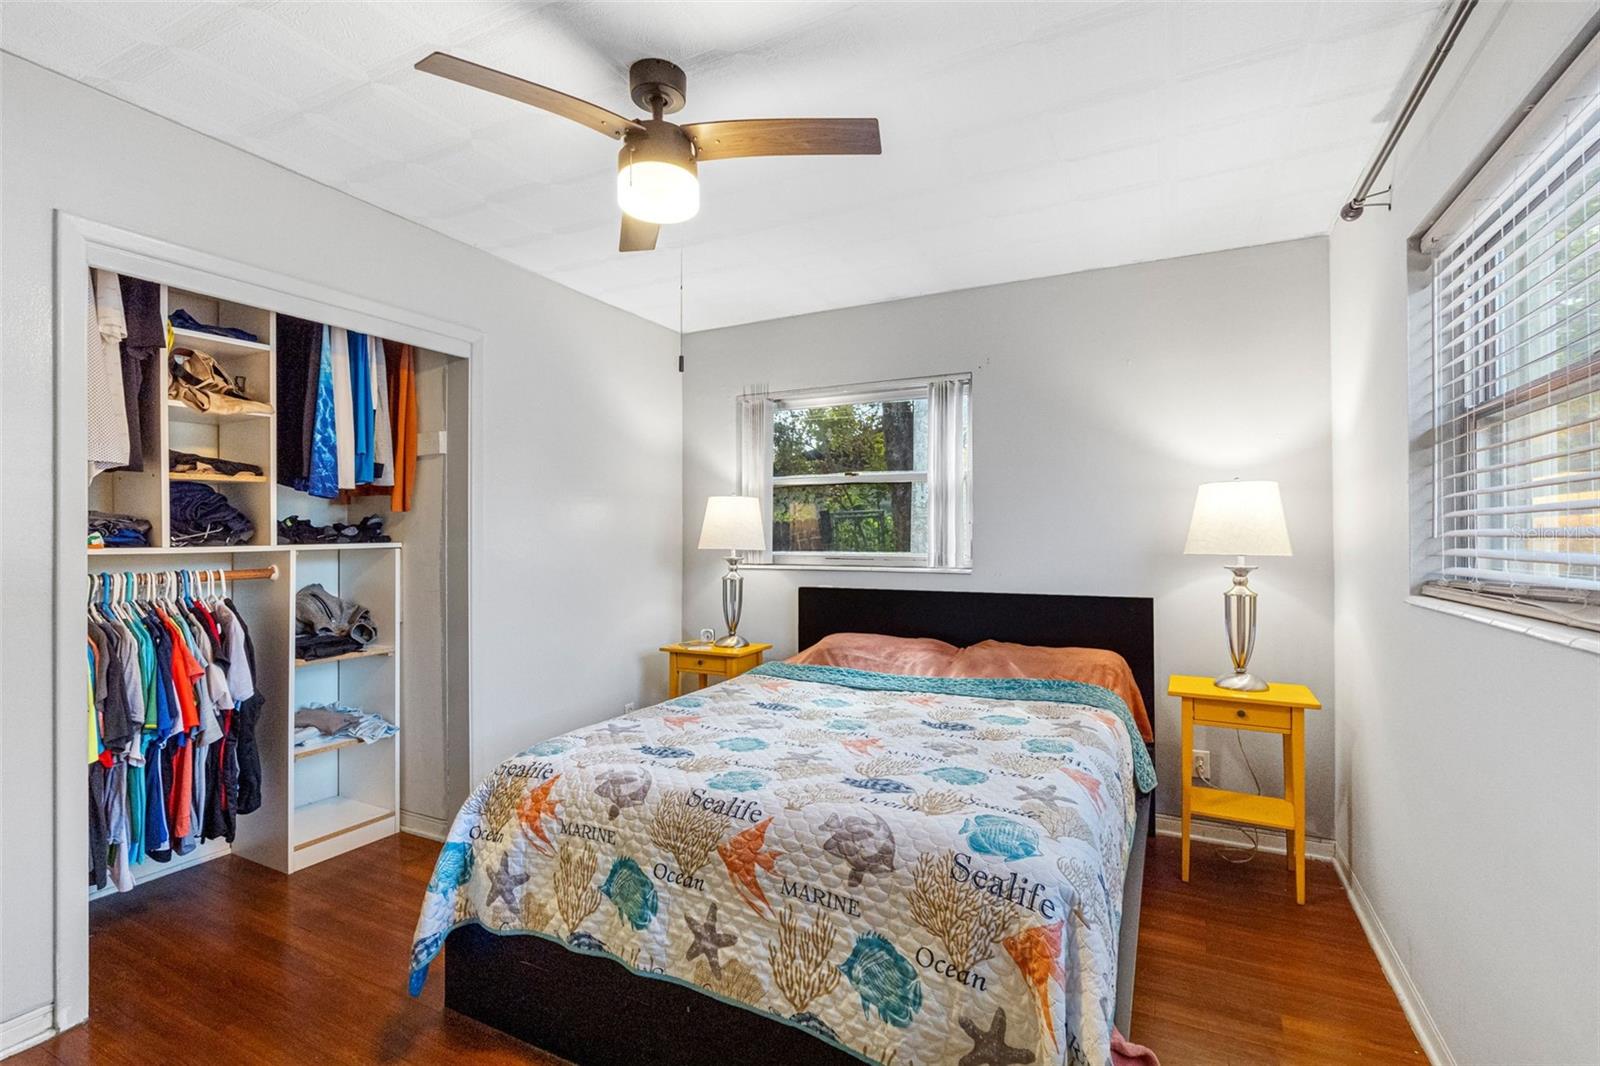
657	170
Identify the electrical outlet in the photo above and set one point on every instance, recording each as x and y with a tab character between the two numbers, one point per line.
1202	766
626	707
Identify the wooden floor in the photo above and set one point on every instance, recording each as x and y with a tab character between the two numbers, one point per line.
230	962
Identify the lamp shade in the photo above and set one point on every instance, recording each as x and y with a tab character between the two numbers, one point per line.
1238	518
733	523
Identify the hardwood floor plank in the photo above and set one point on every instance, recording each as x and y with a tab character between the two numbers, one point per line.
233	962
1232	972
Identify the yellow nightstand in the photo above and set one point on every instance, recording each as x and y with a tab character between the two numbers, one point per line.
1279	709
724	662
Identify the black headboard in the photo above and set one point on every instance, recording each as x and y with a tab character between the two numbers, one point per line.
1123	624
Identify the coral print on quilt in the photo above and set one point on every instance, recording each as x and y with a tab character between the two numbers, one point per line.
912	869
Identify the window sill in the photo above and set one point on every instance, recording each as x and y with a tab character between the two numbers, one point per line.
1550	632
853	568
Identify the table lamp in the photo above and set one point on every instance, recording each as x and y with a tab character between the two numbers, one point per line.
733	524
1239	518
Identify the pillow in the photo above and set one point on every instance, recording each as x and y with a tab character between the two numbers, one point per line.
907	656
1094	666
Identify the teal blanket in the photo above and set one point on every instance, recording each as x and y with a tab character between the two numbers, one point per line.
982	688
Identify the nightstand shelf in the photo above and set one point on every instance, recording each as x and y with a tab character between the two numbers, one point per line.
1278	709
1268	811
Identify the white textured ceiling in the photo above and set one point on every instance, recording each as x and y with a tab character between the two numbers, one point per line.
1019	140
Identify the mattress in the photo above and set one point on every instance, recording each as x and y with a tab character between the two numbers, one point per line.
909	868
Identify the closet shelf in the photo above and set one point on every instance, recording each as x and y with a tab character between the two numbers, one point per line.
373	651
221	549
326	819
178	411
203	549
237	479
212	344
306	753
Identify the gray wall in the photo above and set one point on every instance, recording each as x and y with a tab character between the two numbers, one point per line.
1099	402
1467	754
579	525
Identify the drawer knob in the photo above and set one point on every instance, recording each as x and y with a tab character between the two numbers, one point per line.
1241	713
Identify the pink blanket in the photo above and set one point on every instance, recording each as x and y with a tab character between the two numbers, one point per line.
1126	1053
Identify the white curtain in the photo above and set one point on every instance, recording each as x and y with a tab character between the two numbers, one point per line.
947	471
755	462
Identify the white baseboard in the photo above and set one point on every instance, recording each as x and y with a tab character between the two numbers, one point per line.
423	825
25	1030
1205	831
1405	990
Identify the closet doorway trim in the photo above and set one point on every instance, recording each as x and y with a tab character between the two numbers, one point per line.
81	244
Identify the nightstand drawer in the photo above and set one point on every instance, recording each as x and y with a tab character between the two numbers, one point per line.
1275	719
701	663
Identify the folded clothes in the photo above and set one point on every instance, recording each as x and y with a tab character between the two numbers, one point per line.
119	530
296	530
332	720
198	382
202	515
184	320
318	611
312	646
187	462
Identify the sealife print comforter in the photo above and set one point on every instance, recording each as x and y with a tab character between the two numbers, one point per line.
917	870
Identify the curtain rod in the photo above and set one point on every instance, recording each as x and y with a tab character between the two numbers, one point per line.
1357	204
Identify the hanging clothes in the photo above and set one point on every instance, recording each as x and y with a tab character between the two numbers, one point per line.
172	699
403	393
322	478
361	408
299	350
383	430
108	409
344	423
141	304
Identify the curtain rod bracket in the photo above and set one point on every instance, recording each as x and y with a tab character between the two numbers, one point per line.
1354	209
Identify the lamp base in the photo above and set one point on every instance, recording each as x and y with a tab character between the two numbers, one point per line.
734	640
1245	682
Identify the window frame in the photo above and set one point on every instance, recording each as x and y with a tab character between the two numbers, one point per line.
869	392
1553	146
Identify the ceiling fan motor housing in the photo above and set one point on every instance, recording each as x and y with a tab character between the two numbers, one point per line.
653	81
658	142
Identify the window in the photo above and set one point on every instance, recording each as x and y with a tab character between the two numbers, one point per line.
872	475
1509	498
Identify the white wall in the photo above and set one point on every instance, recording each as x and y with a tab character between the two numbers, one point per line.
1099	402
1467	755
579	542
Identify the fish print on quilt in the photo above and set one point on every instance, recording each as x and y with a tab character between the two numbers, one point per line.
913	869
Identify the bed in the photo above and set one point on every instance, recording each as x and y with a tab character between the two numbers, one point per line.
813	865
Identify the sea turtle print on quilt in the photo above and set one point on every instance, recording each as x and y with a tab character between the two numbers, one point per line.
916	870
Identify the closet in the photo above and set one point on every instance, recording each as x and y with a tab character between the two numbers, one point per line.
222	439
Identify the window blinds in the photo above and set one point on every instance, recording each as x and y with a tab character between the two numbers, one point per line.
1514	371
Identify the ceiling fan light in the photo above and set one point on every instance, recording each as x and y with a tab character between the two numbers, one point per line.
651	190
657	179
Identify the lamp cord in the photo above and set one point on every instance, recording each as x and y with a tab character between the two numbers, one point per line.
1240	856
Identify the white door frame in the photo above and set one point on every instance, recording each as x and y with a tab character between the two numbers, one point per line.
81	244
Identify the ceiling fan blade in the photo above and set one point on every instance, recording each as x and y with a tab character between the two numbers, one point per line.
784	136
637	236
490	80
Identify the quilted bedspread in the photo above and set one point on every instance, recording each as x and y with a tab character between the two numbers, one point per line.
917	870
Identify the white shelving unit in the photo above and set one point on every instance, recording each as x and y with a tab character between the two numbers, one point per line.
346	795
315	804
